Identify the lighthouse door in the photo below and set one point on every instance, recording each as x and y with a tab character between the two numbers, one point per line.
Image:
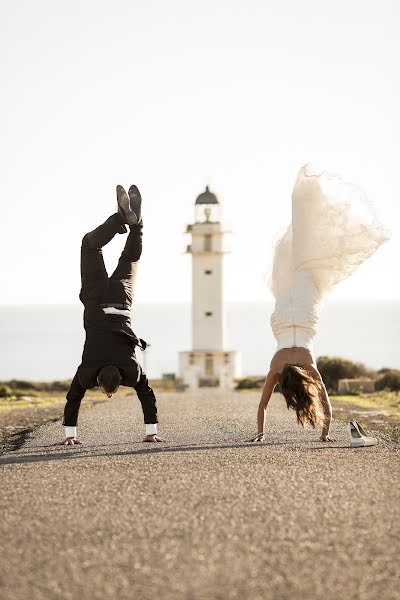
209	370
209	379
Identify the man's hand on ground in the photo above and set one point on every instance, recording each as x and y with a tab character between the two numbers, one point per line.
154	438
326	438
70	441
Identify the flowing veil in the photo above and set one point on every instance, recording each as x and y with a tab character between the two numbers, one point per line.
334	229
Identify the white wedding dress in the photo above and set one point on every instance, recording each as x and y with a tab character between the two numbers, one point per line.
333	231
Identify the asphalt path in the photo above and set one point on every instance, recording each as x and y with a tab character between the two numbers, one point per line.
205	515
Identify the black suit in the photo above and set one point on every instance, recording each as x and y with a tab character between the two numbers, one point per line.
109	337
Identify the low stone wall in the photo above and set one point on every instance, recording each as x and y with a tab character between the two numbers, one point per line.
353	385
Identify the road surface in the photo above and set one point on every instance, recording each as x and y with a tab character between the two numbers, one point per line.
204	516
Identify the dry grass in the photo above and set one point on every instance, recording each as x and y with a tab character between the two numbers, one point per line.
388	403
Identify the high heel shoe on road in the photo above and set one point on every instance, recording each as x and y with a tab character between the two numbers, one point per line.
358	436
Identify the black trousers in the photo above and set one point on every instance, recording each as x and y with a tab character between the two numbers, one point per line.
97	287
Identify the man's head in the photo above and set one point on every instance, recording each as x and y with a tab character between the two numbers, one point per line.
109	379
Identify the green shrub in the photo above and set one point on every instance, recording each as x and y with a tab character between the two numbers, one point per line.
60	386
38	386
250	383
390	380
19	384
333	368
5	391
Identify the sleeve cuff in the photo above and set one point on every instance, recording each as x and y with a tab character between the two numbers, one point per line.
151	428
70	431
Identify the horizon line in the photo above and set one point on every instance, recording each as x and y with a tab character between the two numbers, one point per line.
189	302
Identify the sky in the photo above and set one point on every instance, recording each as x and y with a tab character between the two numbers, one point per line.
177	95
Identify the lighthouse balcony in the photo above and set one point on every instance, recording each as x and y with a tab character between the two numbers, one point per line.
207	228
197	251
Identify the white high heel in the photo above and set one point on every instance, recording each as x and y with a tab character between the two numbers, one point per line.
358	436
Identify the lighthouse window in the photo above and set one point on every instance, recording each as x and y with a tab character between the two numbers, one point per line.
208	313
208	271
207	243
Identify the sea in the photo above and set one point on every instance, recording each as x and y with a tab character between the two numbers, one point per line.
44	342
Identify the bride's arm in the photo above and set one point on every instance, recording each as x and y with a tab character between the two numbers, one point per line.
326	407
270	382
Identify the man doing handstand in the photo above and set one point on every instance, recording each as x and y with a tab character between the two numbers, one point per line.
108	359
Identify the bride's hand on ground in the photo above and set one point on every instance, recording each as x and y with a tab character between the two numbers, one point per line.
260	437
154	438
326	438
70	441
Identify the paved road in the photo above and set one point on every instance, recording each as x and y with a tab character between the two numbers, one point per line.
205	516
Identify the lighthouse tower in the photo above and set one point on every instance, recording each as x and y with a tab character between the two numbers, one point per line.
209	363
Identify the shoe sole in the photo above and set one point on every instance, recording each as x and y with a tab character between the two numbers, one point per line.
124	207
135	198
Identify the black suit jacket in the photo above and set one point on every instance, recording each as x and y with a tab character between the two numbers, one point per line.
110	341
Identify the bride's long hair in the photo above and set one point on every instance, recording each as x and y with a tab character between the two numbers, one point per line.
302	393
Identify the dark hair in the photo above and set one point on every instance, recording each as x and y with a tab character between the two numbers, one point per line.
302	392
109	378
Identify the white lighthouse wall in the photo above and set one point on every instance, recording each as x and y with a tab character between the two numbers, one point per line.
225	368
207	303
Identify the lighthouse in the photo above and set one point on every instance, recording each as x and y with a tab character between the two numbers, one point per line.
209	363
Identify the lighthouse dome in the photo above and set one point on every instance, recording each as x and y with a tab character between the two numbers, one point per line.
207	197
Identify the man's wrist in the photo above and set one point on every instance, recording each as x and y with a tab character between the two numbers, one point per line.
151	428
69	432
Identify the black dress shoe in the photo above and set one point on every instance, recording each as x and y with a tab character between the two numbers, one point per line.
128	215
136	202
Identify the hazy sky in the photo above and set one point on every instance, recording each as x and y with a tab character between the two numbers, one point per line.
172	96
